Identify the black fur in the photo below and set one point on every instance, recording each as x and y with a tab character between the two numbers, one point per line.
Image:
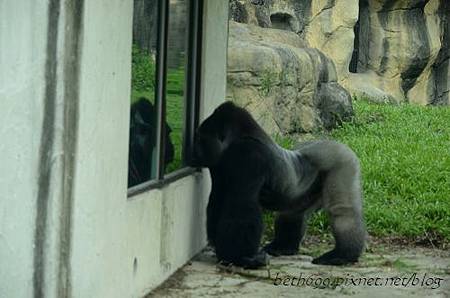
250	172
142	142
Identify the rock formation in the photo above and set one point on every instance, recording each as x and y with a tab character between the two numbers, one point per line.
288	87
389	50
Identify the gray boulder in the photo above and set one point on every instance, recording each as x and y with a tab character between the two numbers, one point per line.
289	88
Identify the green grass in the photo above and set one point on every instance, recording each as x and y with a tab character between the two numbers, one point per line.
174	114
405	159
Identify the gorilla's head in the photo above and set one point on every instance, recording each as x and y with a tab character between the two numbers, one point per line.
227	123
143	124
142	137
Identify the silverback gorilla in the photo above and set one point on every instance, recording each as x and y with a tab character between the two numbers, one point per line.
142	142
250	172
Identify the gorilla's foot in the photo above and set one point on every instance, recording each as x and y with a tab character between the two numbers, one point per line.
333	257
261	259
276	250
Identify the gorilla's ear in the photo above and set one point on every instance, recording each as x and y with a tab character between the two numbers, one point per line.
214	126
221	119
221	128
221	133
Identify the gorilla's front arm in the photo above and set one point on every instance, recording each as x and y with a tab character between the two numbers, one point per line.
214	207
235	223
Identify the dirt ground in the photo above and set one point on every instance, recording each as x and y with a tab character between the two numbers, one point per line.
388	271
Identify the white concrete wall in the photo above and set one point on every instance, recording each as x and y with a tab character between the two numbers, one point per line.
215	43
120	247
23	35
93	242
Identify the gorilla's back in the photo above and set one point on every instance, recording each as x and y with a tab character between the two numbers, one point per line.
295	177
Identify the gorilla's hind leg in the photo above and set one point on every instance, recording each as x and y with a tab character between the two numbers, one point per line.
349	235
290	228
342	200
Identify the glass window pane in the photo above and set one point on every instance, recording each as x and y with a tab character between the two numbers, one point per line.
143	160
176	78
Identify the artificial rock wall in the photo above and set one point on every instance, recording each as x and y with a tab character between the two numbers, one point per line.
404	50
385	50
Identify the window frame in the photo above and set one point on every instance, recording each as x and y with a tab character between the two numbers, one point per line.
191	94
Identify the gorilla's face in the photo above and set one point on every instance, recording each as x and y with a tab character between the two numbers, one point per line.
207	150
211	140
208	146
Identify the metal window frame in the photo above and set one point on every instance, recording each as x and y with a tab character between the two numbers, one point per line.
191	79
191	98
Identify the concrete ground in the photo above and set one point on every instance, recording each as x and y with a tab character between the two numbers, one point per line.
401	272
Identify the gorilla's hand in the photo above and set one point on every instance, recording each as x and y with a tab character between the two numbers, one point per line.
259	260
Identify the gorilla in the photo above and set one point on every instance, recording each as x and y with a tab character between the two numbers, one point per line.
142	142
250	172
